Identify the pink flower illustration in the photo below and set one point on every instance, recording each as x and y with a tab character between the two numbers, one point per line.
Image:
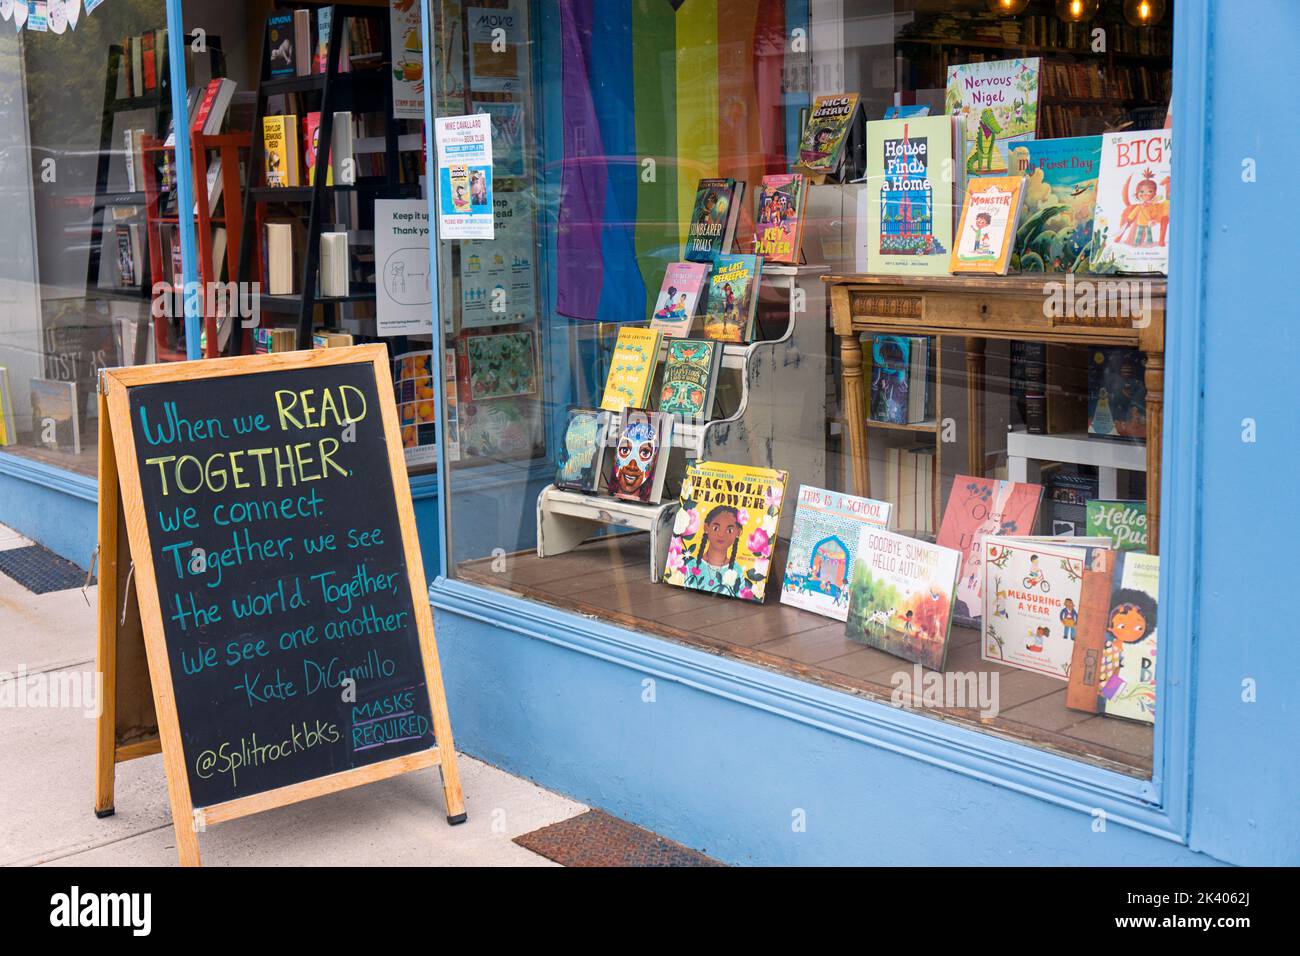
760	544
747	593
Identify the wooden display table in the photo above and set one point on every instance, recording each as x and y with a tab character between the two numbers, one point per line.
1018	307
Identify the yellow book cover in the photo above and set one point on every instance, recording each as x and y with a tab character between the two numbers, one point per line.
725	532
278	142
631	369
7	436
987	234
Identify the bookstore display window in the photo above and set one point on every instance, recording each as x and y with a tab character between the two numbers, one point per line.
684	448
84	105
327	118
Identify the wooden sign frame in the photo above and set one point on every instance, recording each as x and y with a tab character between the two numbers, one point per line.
119	479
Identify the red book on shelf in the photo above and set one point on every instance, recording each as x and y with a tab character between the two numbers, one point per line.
150	64
209	97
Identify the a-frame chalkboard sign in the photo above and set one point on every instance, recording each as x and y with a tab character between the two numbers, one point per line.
259	554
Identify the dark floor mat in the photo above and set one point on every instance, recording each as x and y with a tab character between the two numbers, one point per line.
40	570
597	839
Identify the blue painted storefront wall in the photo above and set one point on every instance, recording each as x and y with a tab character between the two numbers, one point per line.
727	765
1246	771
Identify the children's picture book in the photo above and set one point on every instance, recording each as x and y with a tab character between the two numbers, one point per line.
906	111
822	145
280	145
997	101
713	220
979	507
733	298
7	433
280	56
1031	603
579	463
900	598
910	195
1060	196
641	455
778	218
1113	669
1123	522
56	415
413	389
501	365
990	214
679	296
890	362
690	378
823	543
725	532
1131	221
631	369
1117	393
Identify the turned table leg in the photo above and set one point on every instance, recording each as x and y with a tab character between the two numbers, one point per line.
974	406
1155	381
855	411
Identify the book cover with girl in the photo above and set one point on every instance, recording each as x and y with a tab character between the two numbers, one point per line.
1113	671
674	311
725	532
1131	222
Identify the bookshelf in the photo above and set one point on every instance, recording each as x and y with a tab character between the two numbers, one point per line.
161	217
1084	90
364	88
158	103
755	420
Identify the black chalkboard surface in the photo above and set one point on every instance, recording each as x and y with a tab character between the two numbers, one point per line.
282	577
287	634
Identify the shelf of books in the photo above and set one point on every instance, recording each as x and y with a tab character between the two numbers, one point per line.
699	380
327	148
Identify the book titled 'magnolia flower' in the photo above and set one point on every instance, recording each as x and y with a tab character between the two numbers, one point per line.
726	529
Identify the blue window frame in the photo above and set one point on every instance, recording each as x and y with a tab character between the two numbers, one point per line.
1158	806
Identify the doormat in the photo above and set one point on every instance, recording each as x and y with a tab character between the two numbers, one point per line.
595	838
40	570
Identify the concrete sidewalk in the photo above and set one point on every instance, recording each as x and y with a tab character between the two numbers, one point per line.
47	784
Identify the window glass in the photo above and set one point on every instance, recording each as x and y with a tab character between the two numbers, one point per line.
84	106
905	454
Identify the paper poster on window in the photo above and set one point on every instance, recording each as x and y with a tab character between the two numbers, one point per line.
507	136
496	39
403	292
408	59
38	17
498	285
464	176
